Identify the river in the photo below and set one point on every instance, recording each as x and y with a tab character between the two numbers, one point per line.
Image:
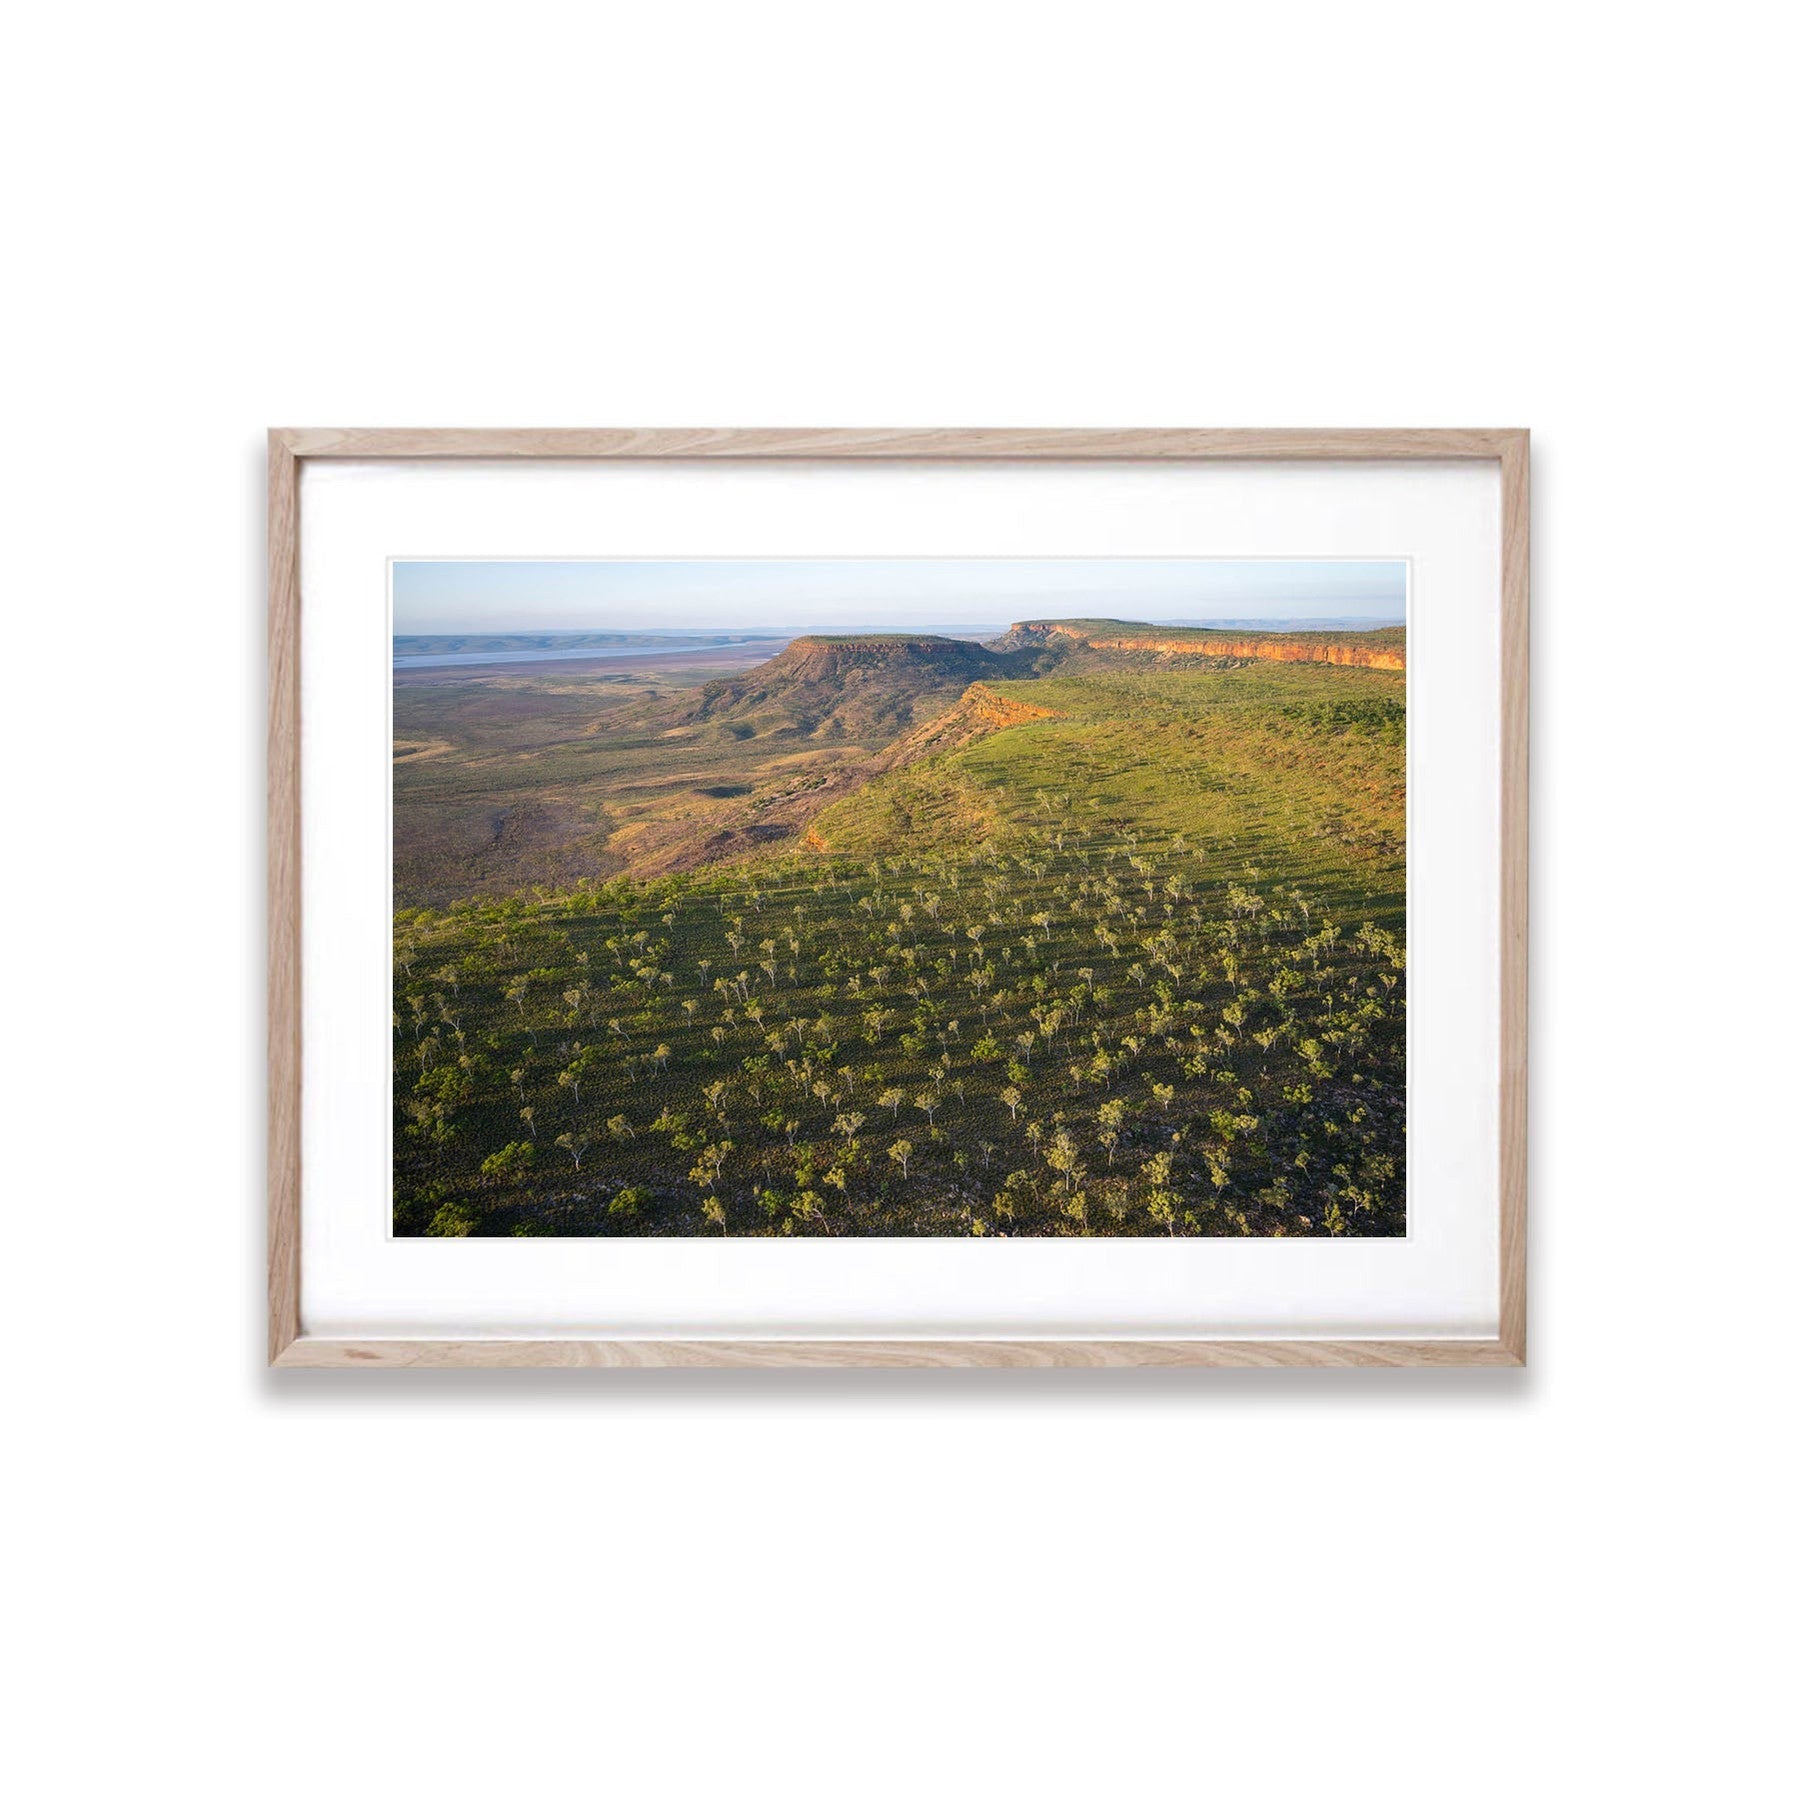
593	653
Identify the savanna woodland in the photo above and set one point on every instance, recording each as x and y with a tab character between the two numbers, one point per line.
1091	929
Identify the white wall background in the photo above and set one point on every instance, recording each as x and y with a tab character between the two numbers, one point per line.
1572	217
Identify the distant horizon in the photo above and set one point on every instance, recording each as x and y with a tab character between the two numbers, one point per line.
772	633
967	596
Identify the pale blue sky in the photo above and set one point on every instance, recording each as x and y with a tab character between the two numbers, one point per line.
922	593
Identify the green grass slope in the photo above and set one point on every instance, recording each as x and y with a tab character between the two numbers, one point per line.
1294	768
1135	967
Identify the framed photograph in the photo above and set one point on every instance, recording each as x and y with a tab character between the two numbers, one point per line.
897	898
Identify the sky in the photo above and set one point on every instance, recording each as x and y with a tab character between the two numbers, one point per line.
919	593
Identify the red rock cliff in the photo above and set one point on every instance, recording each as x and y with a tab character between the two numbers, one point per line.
1353	649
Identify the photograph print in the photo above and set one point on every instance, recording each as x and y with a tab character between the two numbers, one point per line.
896	898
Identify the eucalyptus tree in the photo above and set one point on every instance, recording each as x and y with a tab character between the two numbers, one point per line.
1111	1123
1063	1155
706	1171
509	1162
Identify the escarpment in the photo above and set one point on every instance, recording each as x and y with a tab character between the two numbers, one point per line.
864	690
979	712
1350	649
996	709
784	742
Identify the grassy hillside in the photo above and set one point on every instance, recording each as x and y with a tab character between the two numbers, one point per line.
1117	949
1295	768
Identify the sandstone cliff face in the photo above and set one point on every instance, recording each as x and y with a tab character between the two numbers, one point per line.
978	713
1352	649
996	709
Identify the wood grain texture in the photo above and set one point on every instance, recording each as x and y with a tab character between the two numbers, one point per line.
287	1348
889	1352
963	444
1514	878
284	897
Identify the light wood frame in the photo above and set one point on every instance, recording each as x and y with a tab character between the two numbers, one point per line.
288	449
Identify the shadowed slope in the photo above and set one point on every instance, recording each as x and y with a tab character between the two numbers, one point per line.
865	690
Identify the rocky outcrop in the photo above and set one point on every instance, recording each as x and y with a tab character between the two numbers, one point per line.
978	713
866	690
1350	649
982	703
822	658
